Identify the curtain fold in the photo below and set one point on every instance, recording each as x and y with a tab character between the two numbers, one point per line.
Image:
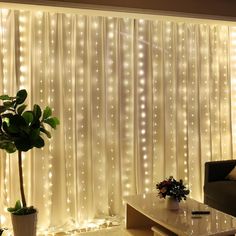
138	100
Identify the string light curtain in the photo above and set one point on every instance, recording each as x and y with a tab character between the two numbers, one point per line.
138	100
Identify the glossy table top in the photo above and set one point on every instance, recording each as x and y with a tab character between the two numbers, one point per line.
181	221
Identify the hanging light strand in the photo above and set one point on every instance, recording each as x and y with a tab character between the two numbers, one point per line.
233	86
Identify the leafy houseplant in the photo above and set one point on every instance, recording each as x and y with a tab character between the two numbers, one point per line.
21	131
173	188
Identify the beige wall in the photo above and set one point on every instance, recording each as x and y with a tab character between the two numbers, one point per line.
225	8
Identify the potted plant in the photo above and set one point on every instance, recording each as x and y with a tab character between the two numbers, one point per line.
175	190
21	130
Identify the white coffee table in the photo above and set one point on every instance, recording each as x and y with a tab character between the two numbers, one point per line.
147	215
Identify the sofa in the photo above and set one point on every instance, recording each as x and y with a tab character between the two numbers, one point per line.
219	192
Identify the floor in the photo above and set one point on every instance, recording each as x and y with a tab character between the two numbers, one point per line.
113	231
117	231
120	232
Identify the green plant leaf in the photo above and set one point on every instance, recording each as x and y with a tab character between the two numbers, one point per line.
7	145
11	209
22	210
17	120
46	132
21	108
34	133
35	124
12	129
37	142
8	104
21	96
37	111
28	116
23	144
5	97
47	113
56	120
5	126
34	137
18	205
7	115
53	122
3	109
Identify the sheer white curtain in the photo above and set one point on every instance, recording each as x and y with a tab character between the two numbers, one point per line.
138	100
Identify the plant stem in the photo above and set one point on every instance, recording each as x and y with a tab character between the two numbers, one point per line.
21	179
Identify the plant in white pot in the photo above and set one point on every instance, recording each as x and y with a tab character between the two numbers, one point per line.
21	130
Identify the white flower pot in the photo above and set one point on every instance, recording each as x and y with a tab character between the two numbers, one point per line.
172	203
24	225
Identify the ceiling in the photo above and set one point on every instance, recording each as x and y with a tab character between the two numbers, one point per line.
225	9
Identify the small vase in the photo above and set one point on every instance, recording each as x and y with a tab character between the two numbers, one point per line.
24	225
172	204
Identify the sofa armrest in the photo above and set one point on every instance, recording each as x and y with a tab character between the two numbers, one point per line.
218	170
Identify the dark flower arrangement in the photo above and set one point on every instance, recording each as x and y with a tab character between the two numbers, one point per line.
173	188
